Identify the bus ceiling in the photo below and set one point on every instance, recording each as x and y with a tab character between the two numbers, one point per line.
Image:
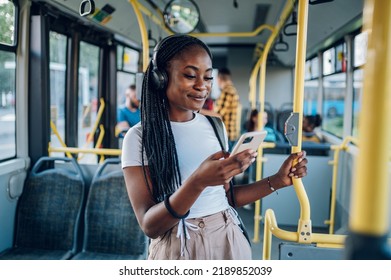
252	14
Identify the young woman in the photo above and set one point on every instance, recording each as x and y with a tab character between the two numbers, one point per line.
176	174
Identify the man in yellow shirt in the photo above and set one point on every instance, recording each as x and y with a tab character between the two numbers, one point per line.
227	104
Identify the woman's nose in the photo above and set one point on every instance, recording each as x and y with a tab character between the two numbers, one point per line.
201	84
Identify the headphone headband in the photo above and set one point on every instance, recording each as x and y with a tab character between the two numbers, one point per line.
158	46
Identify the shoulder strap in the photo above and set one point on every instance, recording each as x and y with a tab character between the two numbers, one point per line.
218	128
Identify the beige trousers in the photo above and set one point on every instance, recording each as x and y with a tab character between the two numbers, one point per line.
217	237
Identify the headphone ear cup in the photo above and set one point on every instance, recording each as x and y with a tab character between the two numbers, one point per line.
159	79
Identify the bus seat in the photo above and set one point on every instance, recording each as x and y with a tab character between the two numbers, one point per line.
48	212
111	229
271	115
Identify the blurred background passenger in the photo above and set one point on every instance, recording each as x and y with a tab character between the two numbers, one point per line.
129	113
310	123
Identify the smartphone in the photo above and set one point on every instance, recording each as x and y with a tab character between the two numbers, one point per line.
249	140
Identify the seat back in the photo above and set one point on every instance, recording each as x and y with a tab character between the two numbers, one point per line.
50	206
110	224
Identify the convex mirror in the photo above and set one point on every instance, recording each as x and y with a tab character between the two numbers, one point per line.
181	16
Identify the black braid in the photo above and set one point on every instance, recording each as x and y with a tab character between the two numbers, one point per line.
158	142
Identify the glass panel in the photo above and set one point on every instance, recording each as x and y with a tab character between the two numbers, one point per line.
328	62
124	80
131	58
58	46
307	70
7	23
360	49
120	53
310	97
315	67
357	95
341	58
88	99
334	88
7	105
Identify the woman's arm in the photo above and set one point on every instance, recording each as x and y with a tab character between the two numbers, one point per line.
154	218
249	193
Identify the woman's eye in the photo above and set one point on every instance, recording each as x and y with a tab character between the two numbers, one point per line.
189	76
209	78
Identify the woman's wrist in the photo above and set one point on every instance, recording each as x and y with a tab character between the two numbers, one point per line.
276	182
196	183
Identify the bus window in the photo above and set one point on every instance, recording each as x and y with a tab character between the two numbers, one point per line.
58	46
329	61
7	105
334	93
127	65
357	93
7	23
311	97
7	78
88	97
360	56
124	80
360	49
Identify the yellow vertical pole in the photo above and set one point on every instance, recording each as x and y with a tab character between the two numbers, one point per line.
304	226
262	78
369	206
144	33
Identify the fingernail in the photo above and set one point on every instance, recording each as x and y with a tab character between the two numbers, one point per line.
300	160
290	174
252	160
293	169
296	177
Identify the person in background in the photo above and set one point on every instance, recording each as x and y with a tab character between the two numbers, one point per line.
177	175
227	104
310	123
128	114
252	125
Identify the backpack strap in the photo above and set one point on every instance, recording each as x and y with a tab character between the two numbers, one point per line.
218	128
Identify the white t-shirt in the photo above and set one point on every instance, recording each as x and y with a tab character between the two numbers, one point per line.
195	141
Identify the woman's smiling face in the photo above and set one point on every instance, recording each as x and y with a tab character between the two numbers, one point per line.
189	82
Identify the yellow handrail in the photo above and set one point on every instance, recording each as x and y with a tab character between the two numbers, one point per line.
253	33
96	123
261	67
96	151
298	97
158	21
304	230
271	227
100	140
90	137
143	31
335	162
55	131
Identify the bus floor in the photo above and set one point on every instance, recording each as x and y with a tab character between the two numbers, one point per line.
247	215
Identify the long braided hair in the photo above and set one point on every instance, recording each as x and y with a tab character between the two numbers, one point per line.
158	144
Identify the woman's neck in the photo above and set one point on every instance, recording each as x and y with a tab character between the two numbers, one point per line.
183	117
